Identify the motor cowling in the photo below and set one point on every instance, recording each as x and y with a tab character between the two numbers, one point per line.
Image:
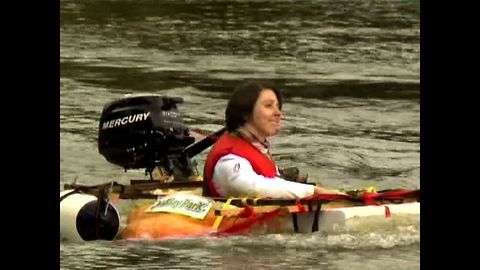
143	131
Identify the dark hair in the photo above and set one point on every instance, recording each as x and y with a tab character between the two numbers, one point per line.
243	99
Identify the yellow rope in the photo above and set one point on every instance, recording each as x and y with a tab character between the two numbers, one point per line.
244	201
218	219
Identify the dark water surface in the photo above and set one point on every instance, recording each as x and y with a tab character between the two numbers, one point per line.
349	71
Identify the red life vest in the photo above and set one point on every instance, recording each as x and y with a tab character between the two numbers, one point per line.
229	144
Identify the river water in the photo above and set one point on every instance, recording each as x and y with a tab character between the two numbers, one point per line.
350	75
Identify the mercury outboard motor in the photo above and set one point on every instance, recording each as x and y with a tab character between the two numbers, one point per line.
145	131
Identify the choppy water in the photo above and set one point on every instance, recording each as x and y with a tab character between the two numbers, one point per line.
349	71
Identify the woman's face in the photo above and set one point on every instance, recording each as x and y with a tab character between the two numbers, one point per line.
266	114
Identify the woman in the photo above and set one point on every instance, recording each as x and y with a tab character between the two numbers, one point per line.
240	164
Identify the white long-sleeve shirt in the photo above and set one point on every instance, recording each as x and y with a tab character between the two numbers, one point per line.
233	176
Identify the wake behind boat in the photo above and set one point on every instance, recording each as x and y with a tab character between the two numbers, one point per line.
147	131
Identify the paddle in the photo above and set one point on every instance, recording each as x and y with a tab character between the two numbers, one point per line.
203	144
140	189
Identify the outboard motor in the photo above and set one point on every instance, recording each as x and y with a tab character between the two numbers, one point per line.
145	131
